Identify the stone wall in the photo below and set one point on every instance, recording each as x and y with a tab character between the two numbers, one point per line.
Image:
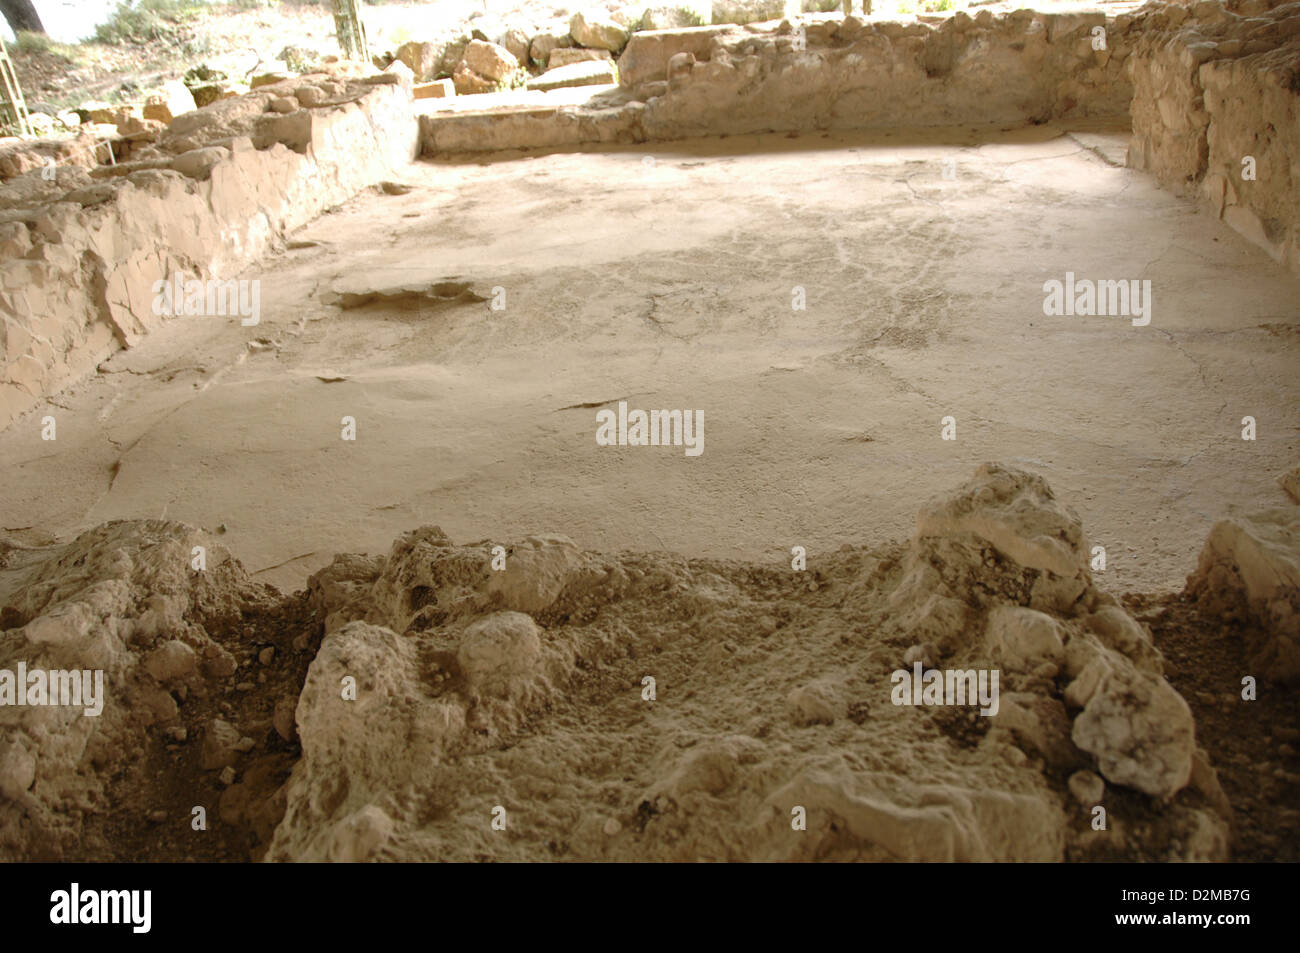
849	74
1216	113
1207	86
80	252
840	73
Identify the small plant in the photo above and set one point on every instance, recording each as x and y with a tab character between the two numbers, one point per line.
516	80
202	73
141	21
27	42
692	15
33	43
298	59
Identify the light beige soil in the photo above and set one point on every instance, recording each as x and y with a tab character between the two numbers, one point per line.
670	285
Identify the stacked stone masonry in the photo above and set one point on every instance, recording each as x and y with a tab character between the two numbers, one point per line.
82	248
1216	112
1211	88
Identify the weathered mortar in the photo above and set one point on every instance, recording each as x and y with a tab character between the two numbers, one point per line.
79	255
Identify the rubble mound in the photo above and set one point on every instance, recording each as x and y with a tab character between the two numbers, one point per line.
142	603
579	706
536	701
1248	574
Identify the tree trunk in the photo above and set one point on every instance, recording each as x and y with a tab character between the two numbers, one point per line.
351	31
21	16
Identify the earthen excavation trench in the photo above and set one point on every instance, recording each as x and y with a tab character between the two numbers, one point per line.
831	240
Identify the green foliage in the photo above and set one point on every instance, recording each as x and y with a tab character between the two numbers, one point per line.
40	43
198	75
27	42
142	21
691	13
921	6
517	80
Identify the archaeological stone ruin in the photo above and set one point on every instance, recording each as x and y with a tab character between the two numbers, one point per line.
979	333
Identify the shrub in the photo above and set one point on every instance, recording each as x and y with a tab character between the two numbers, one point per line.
140	21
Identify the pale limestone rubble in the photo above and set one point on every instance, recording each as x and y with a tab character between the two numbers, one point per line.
525	688
1249	571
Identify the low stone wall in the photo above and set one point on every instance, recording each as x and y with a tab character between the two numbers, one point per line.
840	73
531	127
1210	86
848	74
1216	114
1212	89
81	249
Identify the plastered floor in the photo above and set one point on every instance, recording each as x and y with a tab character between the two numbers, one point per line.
668	276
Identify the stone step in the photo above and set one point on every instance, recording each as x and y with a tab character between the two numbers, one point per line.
530	120
599	72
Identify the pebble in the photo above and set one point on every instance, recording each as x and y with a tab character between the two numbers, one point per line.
1046	671
925	653
284	717
612	826
227	776
1087	787
266	655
